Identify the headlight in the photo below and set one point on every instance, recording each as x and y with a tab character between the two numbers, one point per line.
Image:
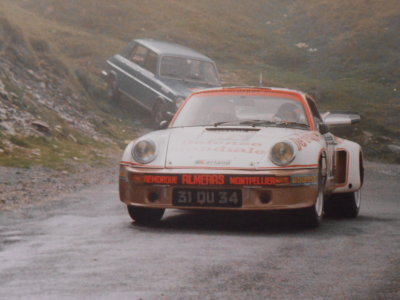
144	151
282	153
179	101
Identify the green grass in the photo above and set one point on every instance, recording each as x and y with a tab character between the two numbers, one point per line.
52	152
21	142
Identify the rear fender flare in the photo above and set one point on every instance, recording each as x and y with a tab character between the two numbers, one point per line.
353	165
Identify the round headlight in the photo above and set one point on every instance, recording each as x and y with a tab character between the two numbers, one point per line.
144	151
282	153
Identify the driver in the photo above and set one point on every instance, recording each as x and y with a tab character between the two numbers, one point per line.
288	112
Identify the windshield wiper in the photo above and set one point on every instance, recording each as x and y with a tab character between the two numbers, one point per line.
225	122
250	122
291	124
274	123
264	123
257	123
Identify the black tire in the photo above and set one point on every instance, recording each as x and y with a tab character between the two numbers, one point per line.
158	114
344	205
144	215
113	92
313	215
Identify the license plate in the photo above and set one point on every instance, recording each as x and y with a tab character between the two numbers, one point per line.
207	198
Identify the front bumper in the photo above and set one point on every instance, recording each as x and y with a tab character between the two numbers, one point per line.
260	190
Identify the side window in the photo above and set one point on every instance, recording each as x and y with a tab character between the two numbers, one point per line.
151	62
127	50
138	55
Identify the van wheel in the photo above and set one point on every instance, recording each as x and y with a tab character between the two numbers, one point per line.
113	92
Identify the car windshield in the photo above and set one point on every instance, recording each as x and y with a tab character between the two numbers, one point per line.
239	110
189	69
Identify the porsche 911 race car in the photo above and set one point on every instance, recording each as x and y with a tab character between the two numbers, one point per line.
244	149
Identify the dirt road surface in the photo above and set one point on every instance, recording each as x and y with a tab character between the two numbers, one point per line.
84	246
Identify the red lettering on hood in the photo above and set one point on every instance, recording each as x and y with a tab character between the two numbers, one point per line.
304	140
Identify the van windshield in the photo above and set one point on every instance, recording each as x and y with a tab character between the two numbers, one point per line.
189	69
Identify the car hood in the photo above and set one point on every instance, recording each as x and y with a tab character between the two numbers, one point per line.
184	88
222	147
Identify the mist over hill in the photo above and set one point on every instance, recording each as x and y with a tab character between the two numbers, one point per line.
347	54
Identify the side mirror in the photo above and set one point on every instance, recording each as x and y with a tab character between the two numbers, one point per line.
341	118
164	124
323	128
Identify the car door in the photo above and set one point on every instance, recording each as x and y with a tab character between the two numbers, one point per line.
133	66
144	86
118	69
149	77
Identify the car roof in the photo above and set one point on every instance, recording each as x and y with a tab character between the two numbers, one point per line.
167	48
250	89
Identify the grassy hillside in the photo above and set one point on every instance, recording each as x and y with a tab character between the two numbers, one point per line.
345	53
48	116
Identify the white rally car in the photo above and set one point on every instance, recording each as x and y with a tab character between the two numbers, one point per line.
244	149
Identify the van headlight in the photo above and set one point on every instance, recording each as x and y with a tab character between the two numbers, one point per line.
282	153
144	151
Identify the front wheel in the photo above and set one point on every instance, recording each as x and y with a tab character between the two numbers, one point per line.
113	92
313	215
144	215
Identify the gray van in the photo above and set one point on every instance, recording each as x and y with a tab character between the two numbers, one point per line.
158	75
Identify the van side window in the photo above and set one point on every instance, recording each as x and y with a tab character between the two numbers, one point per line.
151	62
138	55
127	50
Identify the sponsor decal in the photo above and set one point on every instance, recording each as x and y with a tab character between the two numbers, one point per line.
304	140
226	142
223	149
220	145
258	180
303	180
199	179
213	162
220	179
160	179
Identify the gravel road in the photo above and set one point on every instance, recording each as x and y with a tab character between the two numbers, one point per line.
21	187
83	246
